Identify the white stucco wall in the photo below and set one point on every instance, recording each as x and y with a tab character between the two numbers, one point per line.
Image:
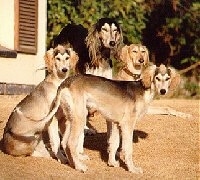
23	69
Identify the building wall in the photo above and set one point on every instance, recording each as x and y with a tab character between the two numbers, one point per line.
24	68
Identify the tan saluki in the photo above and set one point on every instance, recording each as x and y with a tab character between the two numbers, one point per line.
79	92
23	132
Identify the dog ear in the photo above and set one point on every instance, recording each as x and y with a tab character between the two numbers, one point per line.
48	57
73	60
148	75
175	79
146	61
120	38
92	42
124	55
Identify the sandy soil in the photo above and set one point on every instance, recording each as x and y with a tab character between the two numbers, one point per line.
166	147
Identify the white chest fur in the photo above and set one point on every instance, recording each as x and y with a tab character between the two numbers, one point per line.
107	73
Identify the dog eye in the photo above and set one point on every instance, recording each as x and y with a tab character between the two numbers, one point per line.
104	29
66	58
157	78
58	58
134	51
143	51
167	79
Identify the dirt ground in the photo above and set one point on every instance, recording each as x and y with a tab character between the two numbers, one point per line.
166	147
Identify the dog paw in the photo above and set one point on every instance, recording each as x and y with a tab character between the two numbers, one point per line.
186	116
81	167
136	170
83	157
113	163
90	132
63	160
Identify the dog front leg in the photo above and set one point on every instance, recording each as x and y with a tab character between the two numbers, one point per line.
167	111
77	128
113	143
127	135
41	150
55	140
80	149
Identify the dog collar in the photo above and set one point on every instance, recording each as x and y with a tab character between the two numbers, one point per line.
135	76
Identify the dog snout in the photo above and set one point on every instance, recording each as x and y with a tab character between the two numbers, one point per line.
64	70
141	60
112	43
162	91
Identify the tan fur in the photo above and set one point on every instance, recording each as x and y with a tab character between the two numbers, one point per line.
130	69
99	42
81	92
133	59
23	132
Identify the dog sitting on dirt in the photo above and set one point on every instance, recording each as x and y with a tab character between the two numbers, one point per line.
23	132
108	96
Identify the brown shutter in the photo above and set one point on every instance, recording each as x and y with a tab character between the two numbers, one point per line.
26	25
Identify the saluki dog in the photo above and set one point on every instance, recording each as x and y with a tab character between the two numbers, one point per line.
104	41
23	132
79	92
132	60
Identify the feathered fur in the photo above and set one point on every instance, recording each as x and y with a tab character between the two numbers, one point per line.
93	46
23	132
85	91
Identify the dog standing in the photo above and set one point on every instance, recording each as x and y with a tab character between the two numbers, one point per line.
82	91
23	132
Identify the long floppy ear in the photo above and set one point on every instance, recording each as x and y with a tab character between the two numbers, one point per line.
146	61
48	57
124	55
148	75
93	43
120	42
175	79
73	60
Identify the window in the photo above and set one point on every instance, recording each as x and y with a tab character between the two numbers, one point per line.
26	24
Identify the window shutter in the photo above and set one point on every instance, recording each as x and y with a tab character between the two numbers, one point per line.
26	25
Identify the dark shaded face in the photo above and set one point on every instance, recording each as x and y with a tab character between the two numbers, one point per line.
162	80
62	60
139	57
109	32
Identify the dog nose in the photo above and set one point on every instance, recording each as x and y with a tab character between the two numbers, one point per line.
162	91
64	70
112	43
141	60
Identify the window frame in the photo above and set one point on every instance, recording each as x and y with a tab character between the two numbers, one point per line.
26	26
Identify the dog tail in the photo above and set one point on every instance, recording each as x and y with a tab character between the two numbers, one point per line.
49	116
55	107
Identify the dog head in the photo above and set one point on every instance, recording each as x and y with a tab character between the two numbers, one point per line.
109	32
162	78
134	57
105	34
61	61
